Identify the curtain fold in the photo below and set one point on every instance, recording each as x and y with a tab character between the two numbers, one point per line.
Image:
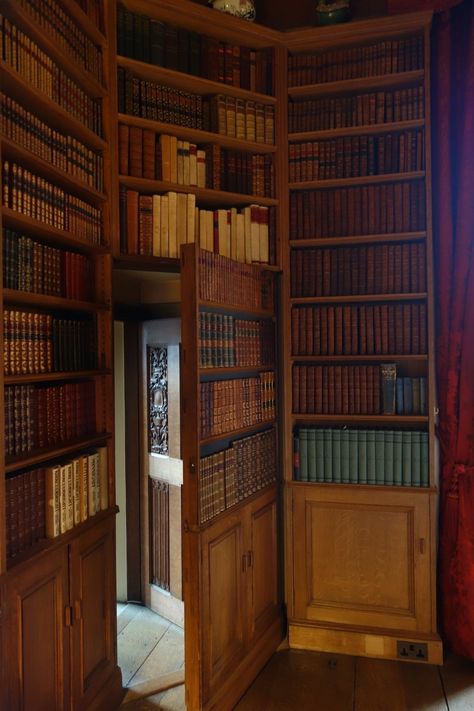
453	222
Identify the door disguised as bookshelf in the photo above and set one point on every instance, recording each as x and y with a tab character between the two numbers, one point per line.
360	471
56	489
230	458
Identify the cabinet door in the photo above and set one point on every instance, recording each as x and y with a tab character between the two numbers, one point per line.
36	653
93	601
262	558
223	600
362	557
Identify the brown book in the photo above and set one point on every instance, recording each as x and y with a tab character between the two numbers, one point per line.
145	224
149	154
123	149
136	152
132	222
370	330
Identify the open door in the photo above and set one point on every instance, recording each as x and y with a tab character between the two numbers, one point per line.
230	491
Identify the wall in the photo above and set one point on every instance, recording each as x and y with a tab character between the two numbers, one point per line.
119	395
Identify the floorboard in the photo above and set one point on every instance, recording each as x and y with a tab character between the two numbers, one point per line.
166	657
458	680
137	640
126	615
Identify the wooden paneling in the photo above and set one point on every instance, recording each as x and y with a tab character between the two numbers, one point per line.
159	534
263	568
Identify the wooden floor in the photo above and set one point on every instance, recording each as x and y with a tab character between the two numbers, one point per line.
149	646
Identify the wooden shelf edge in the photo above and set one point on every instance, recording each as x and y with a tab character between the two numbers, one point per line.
190	82
364	298
374	128
27	298
87	81
376	487
53	235
358	358
14	151
54	376
358	239
48	110
53	453
254	310
357	84
361	419
362	180
44	545
223	197
235	434
233	369
197	135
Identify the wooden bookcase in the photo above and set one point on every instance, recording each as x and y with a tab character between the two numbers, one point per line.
56	401
358	103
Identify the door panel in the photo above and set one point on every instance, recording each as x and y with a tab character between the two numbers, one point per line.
264	570
37	663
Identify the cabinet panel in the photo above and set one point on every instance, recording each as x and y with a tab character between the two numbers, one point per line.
362	559
92	596
37	662
264	567
223	600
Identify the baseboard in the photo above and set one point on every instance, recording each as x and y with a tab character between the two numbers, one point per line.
362	644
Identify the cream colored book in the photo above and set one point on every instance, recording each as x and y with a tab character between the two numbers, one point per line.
233	233
84	488
193	164
248	234
186	166
180	163
240	237
174	159
201	168
191	217
103	478
181	221
263	232
172	221
53	501
156	241
165	228
76	477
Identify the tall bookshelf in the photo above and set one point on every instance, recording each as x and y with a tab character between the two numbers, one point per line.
359	463
57	485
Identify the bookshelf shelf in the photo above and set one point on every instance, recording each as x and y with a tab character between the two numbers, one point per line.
362	239
408	490
81	76
136	262
364	180
53	453
364	298
48	110
384	81
235	309
16	152
27	298
54	377
234	434
189	82
51	235
363	419
390	357
196	135
372	129
232	370
45	545
204	196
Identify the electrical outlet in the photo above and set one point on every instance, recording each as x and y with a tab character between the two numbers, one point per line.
412	650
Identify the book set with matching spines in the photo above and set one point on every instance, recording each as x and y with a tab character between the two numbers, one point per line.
232	475
154	42
361	456
145	154
226	341
48	501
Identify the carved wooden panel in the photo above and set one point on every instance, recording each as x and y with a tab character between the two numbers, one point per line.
160	533
158	433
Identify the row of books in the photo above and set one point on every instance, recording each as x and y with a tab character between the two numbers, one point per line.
382	57
362	210
35	197
42	343
49	15
56	148
38	69
25	510
357	156
35	267
144	154
398	268
402	395
223	280
234	474
237	118
48	501
227	405
38	416
94	10
337	390
359	329
358	456
225	341
156	225
365	109
148	40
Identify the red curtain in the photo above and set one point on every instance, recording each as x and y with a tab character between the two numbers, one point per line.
453	221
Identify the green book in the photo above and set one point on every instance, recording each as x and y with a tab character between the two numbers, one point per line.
423	404
336	456
345	456
388	458
328	474
415	387
397	458
353	457
296	457
406	459
313	459
362	456
379	456
304	454
424	460
319	440
415	459
370	456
